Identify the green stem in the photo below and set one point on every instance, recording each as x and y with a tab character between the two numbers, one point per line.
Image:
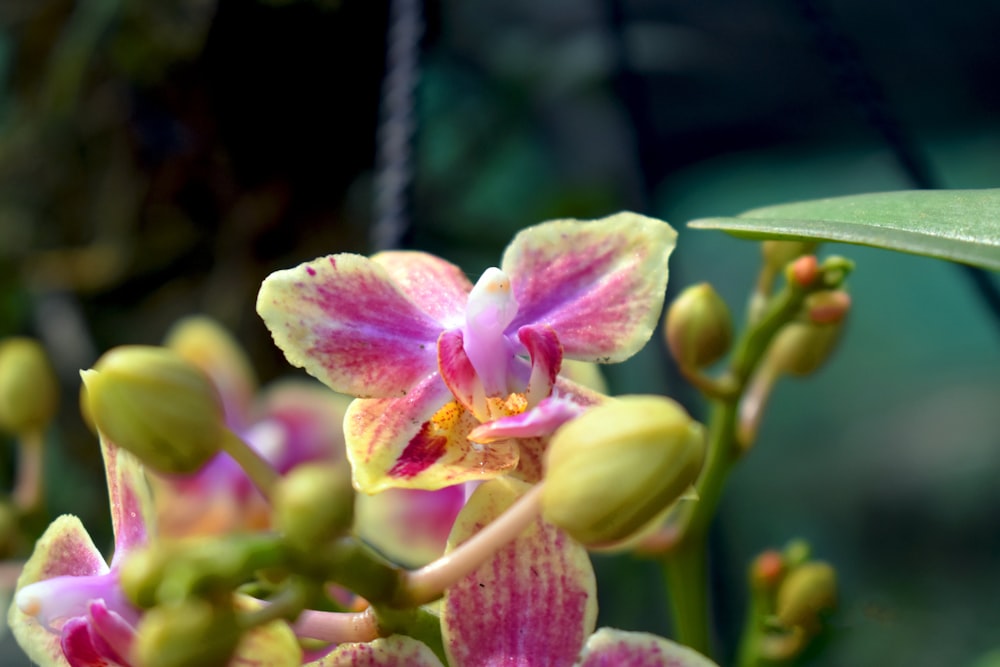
684	565
254	465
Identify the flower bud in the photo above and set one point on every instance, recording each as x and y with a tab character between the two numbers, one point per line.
807	592
143	570
29	392
777	254
614	469
828	306
154	404
699	328
192	633
766	570
314	503
801	348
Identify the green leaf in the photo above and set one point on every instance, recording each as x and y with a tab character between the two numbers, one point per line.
958	225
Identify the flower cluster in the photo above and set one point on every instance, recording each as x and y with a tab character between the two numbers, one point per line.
458	389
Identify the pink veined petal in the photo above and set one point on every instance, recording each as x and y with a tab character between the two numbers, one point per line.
131	503
394	651
533	603
345	321
418	442
600	284
409	526
436	286
617	648
64	549
457	372
546	359
312	418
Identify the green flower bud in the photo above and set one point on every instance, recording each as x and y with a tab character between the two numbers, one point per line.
314	503
192	633
29	392
699	328
805	593
614	469
159	407
801	348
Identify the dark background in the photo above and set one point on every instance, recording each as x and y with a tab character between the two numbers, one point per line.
161	158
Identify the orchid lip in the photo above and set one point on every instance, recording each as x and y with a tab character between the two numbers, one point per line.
54	601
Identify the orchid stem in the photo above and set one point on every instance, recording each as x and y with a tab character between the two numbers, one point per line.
29	489
260	472
429	582
337	627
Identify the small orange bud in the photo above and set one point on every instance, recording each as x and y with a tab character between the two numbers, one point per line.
804	270
767	569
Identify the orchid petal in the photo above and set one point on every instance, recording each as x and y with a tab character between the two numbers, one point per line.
81	648
546	353
312	418
458	373
540	421
64	549
436	286
204	343
131	504
600	284
394	651
345	321
418	442
617	648
111	632
533	603
408	526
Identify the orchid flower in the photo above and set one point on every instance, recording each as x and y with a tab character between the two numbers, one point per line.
458	382
69	608
533	603
289	423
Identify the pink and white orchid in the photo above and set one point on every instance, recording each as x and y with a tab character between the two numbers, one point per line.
69	608
433	358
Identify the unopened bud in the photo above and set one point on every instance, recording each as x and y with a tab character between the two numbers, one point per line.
699	328
192	633
154	404
801	348
803	271
142	571
806	593
766	570
777	254
29	392
314	503
828	307
614	469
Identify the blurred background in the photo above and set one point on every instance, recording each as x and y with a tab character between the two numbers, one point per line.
160	157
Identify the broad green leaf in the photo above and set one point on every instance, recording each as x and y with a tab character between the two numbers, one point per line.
958	225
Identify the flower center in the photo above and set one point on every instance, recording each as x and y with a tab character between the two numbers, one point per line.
489	311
